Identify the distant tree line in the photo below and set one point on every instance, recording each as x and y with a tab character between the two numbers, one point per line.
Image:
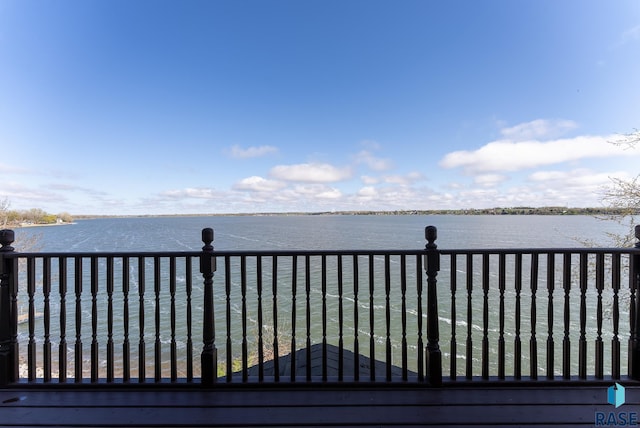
9	217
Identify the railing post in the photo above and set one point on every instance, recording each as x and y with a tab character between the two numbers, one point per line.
209	358
432	266
8	316
634	354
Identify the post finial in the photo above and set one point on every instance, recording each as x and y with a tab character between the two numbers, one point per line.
7	237
431	234
207	238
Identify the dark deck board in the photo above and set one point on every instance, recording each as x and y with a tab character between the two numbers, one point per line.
321	406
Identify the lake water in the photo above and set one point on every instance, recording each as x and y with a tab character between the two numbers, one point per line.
312	233
321	232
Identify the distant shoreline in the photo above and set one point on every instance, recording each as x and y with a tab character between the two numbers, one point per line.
484	211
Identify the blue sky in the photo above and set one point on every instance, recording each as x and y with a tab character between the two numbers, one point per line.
179	107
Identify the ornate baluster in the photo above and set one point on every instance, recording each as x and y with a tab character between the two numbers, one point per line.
372	339
502	279
403	291
46	290
485	316
340	322
31	289
387	294
324	316
62	348
550	287
227	293
307	280
172	293
432	262
94	320
420	344
582	341
260	322
453	370
517	345
294	290
142	351
356	316
110	351
533	343
615	342
126	346
469	342
243	292
599	345
566	341
274	288
157	347
78	319
189	289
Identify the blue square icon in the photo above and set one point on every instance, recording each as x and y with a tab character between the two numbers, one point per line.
615	395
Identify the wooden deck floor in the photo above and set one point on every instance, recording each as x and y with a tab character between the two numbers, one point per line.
312	406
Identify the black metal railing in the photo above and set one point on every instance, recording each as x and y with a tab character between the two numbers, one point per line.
411	316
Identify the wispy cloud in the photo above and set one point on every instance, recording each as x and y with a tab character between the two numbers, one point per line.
373	162
258	184
540	128
251	152
509	155
310	173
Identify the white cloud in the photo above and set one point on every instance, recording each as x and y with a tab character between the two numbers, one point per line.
258	184
251	152
506	155
369	180
540	128
191	192
376	164
489	180
630	35
582	178
404	180
310	173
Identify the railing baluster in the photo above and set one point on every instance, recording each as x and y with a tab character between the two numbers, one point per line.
403	291
243	292
307	280
142	364
453	369
551	267
31	289
9	371
387	294
356	316
372	339
126	346
517	342
469	342
110	351
599	345
227	293
566	341
158	344
485	316
172	294
294	291
533	343
189	288
62	348
260	321
502	278
209	356
340	321
94	320
324	316
582	341
615	342
276	345
420	344
78	320
46	290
